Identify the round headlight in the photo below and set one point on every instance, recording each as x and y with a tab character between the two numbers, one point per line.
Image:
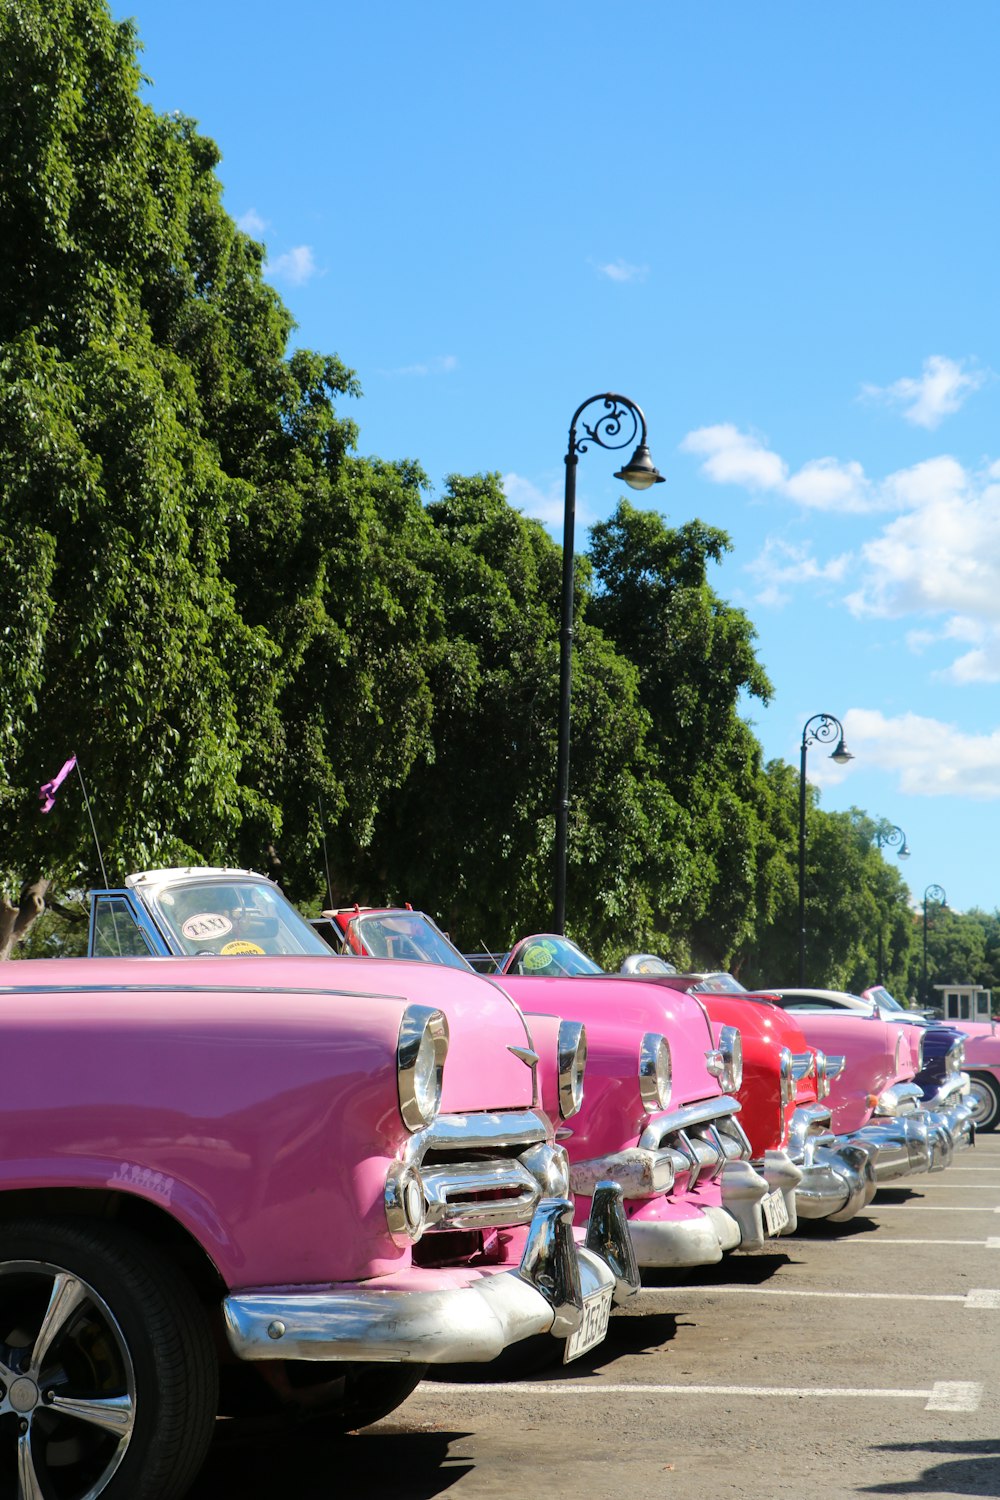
920	1051
822	1075
420	1055
955	1061
572	1046
655	1071
786	1068
898	1054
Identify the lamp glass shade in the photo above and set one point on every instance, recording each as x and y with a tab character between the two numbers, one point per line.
841	755
640	473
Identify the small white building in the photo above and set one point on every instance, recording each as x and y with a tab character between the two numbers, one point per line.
964	1002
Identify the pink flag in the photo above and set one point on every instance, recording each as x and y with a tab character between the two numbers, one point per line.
47	793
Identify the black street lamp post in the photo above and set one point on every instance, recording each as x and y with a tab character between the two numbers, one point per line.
640	474
888	836
820	729
932	893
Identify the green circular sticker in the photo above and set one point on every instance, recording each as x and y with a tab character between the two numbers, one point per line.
538	956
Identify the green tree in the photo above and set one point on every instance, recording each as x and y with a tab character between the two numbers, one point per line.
695	660
163	465
471	832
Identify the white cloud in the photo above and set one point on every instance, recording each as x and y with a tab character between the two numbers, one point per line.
941	558
929	758
297	266
252	224
780	566
734	457
440	364
938	392
622	270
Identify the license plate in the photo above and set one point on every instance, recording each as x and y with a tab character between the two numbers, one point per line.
593	1327
775	1211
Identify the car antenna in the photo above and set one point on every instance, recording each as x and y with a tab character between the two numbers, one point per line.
326	860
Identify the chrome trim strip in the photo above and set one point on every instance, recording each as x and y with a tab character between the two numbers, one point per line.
686	1118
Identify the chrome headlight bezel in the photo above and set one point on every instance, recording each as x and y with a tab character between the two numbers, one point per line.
920	1052
954	1060
726	1062
571	1047
420	1054
822	1075
786	1070
656	1072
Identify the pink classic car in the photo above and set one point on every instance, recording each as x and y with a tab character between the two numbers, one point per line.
876	1099
786	1111
268	1187
659	1115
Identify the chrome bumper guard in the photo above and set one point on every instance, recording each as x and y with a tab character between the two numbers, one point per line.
366	1322
838	1175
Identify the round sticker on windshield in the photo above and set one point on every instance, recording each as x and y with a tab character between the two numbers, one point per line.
538	956
206	926
240	946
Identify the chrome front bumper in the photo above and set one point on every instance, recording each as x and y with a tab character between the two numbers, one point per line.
696	1143
374	1322
838	1175
922	1140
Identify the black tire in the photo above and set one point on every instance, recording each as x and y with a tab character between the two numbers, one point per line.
91	1313
985	1095
268	1399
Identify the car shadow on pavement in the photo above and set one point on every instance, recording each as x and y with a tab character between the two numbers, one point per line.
744	1270
825	1229
630	1331
974	1470
379	1463
896	1195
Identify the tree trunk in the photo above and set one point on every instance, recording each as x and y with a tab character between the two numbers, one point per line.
16	920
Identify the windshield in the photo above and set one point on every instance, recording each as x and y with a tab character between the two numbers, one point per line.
881	996
230	916
547	956
402	934
719	984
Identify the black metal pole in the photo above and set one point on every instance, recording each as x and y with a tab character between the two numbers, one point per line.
824	728
935	893
888	835
640	474
565	686
802	860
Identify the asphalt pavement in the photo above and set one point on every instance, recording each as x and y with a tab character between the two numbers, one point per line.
846	1360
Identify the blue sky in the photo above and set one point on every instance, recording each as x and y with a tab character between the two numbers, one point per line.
772	226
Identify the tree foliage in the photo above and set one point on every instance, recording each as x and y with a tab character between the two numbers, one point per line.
266	648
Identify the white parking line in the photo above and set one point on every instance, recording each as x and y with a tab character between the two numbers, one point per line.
878	1241
944	1395
929	1208
981	1298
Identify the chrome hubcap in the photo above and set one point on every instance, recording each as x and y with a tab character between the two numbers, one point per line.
67	1384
